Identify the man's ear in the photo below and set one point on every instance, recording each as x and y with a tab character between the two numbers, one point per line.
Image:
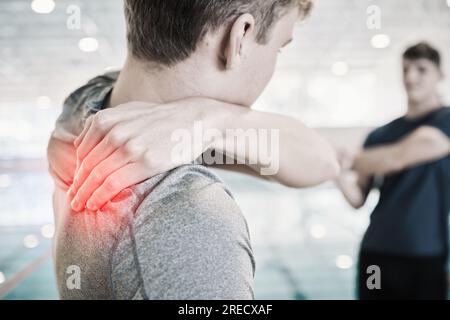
241	35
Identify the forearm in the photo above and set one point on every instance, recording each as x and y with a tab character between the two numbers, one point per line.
286	150
379	161
425	144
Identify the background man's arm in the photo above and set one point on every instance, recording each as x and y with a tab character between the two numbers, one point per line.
426	144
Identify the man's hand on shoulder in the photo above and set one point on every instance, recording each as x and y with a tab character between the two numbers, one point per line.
126	145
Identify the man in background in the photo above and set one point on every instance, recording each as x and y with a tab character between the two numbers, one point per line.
409	161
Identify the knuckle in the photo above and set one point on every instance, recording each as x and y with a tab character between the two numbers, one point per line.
115	138
89	121
132	148
149	159
101	121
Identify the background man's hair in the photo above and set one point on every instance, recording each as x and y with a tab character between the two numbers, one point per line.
423	50
167	31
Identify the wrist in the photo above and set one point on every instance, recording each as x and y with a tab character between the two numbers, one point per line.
224	116
207	111
217	117
358	162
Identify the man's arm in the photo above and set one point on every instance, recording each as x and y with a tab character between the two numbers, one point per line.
123	146
426	144
302	158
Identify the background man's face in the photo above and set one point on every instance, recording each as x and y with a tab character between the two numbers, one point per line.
421	78
256	69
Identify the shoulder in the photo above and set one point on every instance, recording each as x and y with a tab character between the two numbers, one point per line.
190	194
191	239
441	120
76	105
443	116
91	89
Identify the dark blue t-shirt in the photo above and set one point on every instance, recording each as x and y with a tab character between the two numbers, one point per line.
411	217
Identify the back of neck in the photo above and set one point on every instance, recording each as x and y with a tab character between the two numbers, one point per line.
139	82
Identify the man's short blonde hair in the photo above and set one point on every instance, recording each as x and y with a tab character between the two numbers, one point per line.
168	31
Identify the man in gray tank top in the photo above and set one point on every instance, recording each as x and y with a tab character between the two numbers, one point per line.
176	234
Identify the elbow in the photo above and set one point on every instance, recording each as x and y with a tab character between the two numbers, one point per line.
320	169
328	166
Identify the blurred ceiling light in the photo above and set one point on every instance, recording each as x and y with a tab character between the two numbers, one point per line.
30	241
43	102
340	68
48	231
88	44
5	181
448	3
2	277
318	231
380	41
43	6
344	262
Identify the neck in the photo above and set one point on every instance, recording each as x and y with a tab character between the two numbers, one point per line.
137	82
418	109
